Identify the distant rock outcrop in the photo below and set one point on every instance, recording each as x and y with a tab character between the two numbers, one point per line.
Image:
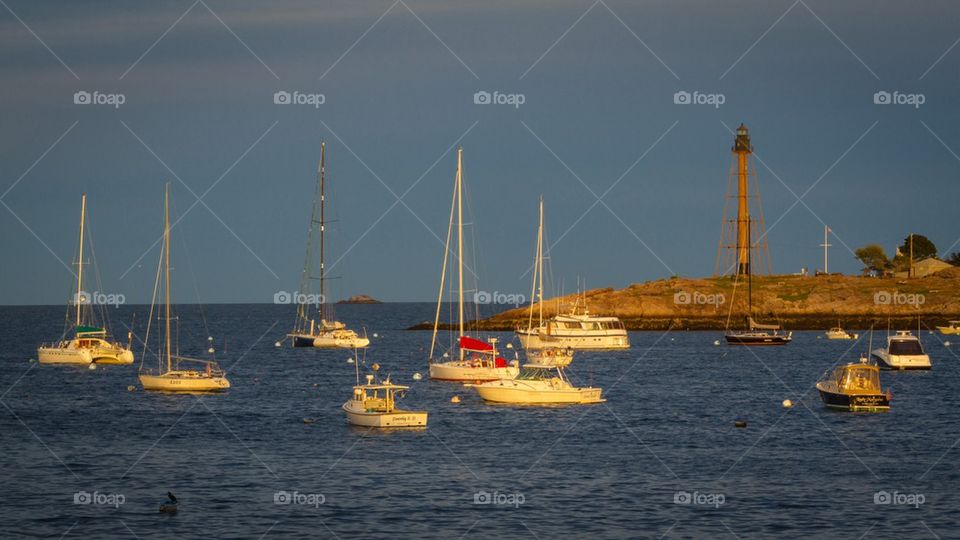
360	299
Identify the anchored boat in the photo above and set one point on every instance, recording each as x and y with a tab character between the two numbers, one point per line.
952	328
474	360
538	384
374	404
320	329
173	372
91	341
839	333
854	387
903	351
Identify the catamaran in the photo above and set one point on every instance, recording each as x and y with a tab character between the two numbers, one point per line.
574	330
91	342
170	375
755	333
320	329
475	360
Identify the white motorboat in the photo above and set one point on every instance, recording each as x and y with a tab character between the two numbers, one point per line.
473	360
538	384
903	351
91	342
329	333
839	333
374	404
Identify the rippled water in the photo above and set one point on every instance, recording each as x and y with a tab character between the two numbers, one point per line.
611	470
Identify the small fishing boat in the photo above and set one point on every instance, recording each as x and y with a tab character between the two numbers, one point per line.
329	333
903	351
854	387
374	404
839	333
538	384
952	328
474	360
170	375
91	341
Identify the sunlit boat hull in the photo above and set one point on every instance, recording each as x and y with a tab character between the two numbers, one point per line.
901	362
358	416
463	372
184	381
841	335
757	339
949	330
607	340
537	393
337	342
852	402
98	351
64	355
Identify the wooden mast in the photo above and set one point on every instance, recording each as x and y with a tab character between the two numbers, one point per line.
80	295
166	264
460	241
323	226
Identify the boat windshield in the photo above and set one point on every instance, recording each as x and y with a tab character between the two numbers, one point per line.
530	373
859	379
905	347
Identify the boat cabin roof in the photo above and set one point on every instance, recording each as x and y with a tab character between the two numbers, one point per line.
858	378
382	386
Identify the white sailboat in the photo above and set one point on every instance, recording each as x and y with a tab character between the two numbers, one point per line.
475	360
574	330
320	330
170	375
91	342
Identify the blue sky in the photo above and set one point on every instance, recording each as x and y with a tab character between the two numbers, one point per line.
399	78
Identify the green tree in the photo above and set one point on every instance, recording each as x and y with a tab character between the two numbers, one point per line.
923	248
873	258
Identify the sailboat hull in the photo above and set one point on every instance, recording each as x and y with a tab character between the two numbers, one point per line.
757	340
463	372
64	355
184	381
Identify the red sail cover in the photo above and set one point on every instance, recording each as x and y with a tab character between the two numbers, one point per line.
471	344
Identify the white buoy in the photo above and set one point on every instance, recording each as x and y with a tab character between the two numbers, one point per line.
210	350
375	334
716	342
787	404
92	367
946	343
509	345
417	376
446	355
131	388
455	399
350	360
277	344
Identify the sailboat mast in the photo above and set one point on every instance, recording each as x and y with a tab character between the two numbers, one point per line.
460	240
166	264
323	225
83	213
540	261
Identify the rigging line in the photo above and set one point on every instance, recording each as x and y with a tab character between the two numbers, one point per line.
193	277
153	303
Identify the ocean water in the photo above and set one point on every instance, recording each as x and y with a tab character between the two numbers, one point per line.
661	458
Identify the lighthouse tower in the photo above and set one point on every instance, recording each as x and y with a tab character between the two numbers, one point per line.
743	242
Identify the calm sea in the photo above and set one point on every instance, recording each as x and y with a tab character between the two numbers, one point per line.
661	458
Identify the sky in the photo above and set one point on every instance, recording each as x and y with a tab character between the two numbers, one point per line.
633	182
